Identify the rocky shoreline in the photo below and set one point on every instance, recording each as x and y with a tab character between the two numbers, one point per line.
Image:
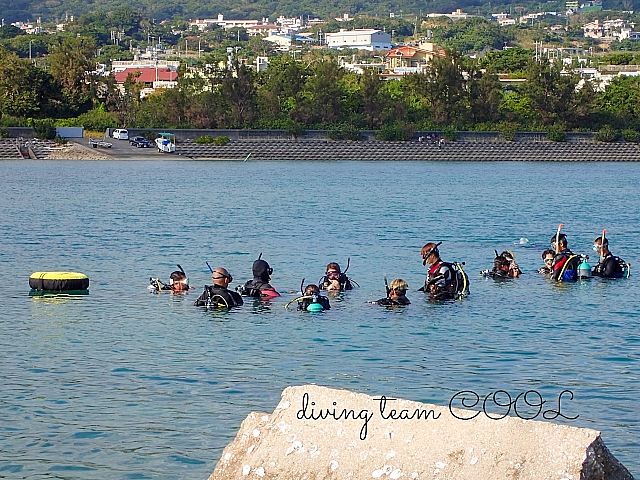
292	150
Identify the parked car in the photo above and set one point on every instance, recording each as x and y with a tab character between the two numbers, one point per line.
121	134
140	142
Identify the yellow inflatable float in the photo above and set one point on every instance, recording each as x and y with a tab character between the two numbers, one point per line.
58	281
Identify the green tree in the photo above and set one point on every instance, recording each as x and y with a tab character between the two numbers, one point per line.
69	61
238	97
443	88
25	90
320	101
620	102
485	94
278	88
551	94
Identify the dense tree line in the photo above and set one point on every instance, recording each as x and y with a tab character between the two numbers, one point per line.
452	93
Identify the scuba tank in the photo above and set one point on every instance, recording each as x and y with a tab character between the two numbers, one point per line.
315	306
584	269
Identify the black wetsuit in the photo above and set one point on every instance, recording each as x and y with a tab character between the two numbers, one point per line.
609	267
217	296
254	288
387	302
498	274
441	281
259	283
343	280
305	302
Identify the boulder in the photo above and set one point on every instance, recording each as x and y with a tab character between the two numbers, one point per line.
364	437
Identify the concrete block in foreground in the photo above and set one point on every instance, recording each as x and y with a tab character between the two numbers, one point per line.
434	444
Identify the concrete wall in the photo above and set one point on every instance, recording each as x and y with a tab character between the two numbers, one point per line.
70	132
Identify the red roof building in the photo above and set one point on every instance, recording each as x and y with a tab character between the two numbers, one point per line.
411	59
148	75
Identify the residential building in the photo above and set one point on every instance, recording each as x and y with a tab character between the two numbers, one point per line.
593	29
262	29
362	38
457	15
411	59
152	78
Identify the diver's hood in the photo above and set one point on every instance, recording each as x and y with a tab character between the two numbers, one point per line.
261	270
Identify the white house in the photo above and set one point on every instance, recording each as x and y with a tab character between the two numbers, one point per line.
362	39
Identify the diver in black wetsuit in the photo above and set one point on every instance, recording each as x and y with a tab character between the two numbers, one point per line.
500	268
259	286
444	281
218	295
335	280
396	294
313	292
608	266
178	282
547	257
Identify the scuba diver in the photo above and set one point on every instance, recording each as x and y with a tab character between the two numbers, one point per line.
259	286
218	295
547	258
311	300
396	293
608	266
178	282
565	263
445	281
503	266
500	269
334	279
514	269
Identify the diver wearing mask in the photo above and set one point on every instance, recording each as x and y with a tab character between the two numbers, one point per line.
334	279
259	286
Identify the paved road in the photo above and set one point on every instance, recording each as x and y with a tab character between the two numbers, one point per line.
121	149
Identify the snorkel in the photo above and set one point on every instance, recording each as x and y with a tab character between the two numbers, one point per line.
604	231
210	269
386	286
558	239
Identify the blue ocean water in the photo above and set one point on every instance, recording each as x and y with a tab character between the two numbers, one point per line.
123	383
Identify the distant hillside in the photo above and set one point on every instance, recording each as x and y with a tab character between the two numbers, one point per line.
51	10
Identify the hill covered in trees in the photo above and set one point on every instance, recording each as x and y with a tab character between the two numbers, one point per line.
51	10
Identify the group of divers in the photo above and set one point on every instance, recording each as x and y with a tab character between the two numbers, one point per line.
444	280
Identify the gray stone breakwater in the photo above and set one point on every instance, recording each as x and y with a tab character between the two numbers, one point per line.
379	150
292	150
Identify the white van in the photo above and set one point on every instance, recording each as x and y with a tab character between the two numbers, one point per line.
121	134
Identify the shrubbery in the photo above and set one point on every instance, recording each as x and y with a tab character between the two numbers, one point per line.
43	128
346	132
204	140
60	140
395	131
450	134
221	141
607	134
508	131
4	132
630	135
556	133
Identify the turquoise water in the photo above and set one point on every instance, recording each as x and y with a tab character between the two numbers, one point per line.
123	383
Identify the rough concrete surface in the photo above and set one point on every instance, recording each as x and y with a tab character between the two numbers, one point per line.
286	445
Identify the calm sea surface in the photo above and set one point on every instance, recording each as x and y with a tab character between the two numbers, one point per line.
123	383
